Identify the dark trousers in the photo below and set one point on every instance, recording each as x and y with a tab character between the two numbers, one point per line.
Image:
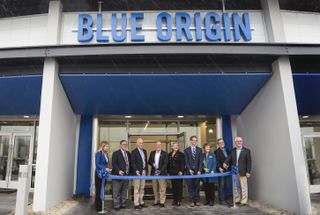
176	190
193	190
223	188
97	200
209	191
119	192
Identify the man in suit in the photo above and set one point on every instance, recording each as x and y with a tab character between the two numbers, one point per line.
240	157
221	155
193	162
159	161
140	168
120	166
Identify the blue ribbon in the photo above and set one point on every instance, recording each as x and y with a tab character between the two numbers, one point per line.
153	177
103	174
235	171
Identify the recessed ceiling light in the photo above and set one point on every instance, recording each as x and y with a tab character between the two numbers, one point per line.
210	130
180	117
26	116
305	117
128	117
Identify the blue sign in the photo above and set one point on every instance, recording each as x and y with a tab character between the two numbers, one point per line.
210	27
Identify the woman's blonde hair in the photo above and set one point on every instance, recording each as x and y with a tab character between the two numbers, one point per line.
103	144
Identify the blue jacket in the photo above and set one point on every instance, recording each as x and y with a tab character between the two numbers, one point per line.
101	162
212	165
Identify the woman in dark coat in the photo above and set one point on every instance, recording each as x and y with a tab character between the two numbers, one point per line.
176	167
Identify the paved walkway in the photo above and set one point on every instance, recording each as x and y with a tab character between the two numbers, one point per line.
8	202
85	207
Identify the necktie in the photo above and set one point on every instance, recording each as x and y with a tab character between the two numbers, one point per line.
127	162
193	149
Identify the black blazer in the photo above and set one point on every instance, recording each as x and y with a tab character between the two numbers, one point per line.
163	162
244	162
221	158
136	161
118	162
175	163
193	164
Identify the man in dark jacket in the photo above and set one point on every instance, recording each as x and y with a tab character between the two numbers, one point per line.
159	161
240	157
221	155
193	162
120	166
140	168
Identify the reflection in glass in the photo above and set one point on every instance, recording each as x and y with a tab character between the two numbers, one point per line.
312	145
20	155
4	150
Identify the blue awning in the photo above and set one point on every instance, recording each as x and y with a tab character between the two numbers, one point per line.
167	94
307	90
20	94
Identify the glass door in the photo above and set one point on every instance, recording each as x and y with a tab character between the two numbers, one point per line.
182	140
312	149
14	151
20	156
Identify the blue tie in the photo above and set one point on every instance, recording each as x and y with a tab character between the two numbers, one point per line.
193	150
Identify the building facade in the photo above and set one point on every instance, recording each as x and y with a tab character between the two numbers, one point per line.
77	73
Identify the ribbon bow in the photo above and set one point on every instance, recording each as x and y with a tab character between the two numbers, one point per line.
103	174
235	171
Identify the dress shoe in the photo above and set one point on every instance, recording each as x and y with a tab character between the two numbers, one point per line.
207	203
174	203
143	205
191	204
178	203
211	203
155	204
161	205
123	207
137	207
116	209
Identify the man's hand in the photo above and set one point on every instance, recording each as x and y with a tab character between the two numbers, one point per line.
225	166
191	172
206	170
221	170
121	172
138	173
109	170
199	173
179	173
248	175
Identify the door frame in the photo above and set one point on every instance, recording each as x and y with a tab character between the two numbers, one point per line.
8	183
4	183
312	188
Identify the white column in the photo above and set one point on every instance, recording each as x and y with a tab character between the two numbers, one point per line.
270	128
219	127
54	22
57	136
95	138
273	20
